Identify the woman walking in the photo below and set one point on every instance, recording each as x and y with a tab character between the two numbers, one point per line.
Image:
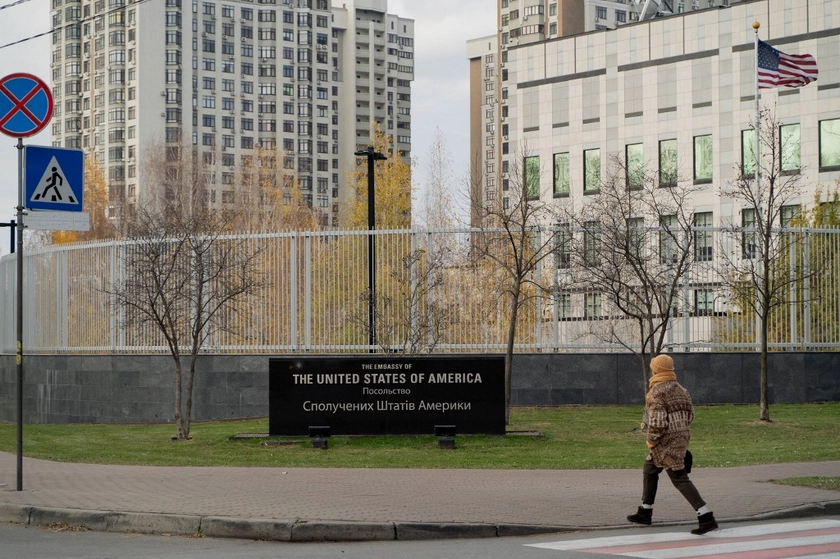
669	412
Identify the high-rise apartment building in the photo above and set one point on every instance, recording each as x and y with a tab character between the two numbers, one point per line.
211	81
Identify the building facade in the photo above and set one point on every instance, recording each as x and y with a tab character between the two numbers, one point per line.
211	81
529	26
684	83
676	92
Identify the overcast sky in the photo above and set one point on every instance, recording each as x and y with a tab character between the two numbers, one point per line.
440	92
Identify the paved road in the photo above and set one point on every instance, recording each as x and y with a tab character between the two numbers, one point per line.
306	504
806	539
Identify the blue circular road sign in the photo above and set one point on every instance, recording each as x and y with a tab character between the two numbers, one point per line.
26	105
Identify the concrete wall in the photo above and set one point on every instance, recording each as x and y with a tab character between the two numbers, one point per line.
140	388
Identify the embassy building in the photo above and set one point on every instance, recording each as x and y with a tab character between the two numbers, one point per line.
211	81
676	92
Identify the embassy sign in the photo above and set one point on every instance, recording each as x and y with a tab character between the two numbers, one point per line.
387	395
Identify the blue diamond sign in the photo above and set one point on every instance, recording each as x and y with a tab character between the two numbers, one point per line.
54	178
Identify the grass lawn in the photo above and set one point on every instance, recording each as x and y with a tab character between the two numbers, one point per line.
574	437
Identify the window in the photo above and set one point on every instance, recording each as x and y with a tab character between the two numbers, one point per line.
592	243
667	162
829	144
591	170
703	158
532	177
668	231
748	153
561	174
564	246
702	237
704	302
748	236
790	148
636	237
789	213
592	305
635	166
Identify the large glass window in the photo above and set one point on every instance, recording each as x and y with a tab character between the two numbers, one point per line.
829	144
703	237
635	165
748	153
703	158
790	148
667	162
591	170
561	174
532	177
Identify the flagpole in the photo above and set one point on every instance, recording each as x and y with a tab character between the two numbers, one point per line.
757	138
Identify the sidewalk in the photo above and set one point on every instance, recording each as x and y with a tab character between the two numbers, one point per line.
317	504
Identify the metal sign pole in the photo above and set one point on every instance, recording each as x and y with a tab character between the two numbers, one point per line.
19	321
26	107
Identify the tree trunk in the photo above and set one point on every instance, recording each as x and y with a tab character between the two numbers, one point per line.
179	399
764	405
188	407
514	311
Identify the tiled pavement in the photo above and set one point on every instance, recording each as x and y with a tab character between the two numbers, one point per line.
328	504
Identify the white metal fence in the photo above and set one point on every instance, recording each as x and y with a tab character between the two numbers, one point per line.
433	294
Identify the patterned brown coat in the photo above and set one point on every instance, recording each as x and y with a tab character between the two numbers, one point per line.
670	412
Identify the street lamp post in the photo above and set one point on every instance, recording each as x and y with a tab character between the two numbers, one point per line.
371	157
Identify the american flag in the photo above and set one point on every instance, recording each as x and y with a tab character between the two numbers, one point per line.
776	68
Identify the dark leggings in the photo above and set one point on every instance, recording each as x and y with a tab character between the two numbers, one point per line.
678	477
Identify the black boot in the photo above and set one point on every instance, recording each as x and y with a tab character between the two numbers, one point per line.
642	516
707	524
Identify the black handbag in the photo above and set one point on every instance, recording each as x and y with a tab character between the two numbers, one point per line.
689	460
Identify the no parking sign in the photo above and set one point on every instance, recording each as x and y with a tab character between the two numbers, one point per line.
26	105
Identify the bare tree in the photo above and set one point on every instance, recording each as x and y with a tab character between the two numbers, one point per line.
437	208
410	318
758	276
521	237
185	276
631	243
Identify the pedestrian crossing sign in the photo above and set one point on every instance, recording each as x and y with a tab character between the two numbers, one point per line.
54	178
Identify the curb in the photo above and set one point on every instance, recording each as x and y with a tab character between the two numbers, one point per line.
320	530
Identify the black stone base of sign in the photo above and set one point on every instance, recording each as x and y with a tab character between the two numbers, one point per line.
446	442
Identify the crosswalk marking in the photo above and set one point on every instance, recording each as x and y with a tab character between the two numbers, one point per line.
815	539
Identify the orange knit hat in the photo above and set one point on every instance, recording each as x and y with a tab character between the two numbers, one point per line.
661	364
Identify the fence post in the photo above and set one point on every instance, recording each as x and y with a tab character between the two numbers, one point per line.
806	291
307	292
293	292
